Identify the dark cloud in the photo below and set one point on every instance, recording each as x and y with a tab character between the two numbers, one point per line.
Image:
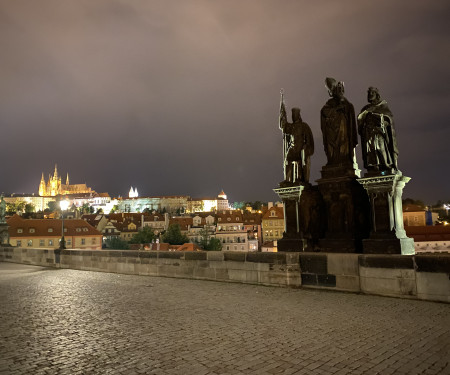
182	97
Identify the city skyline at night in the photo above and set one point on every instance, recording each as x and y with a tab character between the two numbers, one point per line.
185	100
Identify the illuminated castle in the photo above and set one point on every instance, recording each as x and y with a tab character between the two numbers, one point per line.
54	186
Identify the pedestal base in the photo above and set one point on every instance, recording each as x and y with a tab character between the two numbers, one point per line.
403	246
303	215
336	245
387	235
347	213
292	244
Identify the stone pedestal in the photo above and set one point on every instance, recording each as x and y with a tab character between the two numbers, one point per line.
387	233
293	239
303	215
346	210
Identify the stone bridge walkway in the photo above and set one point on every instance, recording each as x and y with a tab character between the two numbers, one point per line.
76	322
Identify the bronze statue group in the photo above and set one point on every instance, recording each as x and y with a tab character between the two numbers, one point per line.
344	212
340	129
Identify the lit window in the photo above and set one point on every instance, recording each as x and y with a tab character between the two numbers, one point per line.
85	229
69	242
41	242
50	242
30	243
78	229
50	230
32	230
19	243
83	241
19	230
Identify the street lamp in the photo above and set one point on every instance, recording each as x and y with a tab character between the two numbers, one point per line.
64	204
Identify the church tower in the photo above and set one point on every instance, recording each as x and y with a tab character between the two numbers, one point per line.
42	186
55	183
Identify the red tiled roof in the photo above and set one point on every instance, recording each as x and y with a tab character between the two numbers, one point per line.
189	247
428	233
235	216
41	227
183	222
252	219
279	214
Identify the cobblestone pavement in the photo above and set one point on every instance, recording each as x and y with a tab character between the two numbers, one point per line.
76	322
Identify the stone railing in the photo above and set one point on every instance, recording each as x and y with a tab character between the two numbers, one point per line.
425	277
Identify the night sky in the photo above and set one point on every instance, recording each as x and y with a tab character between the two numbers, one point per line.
182	97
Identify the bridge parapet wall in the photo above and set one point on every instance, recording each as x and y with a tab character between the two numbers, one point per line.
425	277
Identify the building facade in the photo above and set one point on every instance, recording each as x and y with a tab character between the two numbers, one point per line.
46	233
273	224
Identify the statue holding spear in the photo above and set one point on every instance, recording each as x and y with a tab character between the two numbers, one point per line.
298	146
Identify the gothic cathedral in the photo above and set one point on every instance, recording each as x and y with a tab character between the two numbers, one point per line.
54	186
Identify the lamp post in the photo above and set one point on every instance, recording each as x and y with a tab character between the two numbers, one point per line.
64	204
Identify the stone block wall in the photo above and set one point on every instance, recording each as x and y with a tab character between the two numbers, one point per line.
424	277
255	268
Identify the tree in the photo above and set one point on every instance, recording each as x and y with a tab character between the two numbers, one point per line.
239	205
256	205
116	243
29	208
145	235
20	206
214	244
207	242
11	208
173	235
114	209
52	206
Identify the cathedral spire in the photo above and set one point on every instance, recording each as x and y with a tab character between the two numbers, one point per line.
55	175
67	179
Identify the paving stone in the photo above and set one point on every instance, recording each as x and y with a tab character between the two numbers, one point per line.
78	322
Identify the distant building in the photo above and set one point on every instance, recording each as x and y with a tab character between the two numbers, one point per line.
39	203
133	193
269	247
230	230
170	204
54	186
98	221
207	204
273	224
185	223
252	224
46	233
202	221
156	221
414	215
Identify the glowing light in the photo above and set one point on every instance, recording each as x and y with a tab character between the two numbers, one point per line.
64	204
